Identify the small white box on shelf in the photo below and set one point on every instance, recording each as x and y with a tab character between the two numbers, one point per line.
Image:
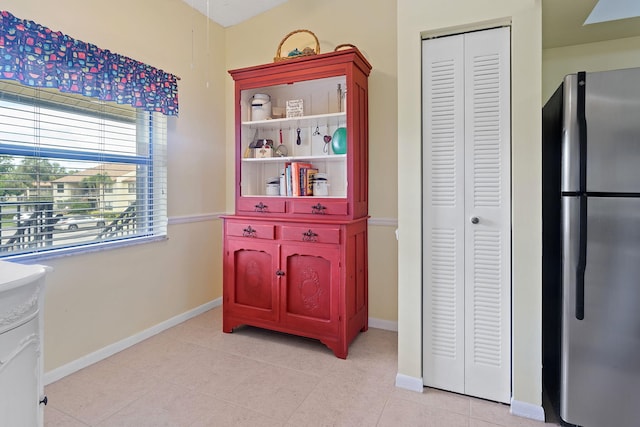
263	152
295	108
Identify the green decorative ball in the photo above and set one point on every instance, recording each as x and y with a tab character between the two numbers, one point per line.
339	141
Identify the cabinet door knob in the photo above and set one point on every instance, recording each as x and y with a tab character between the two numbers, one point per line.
475	220
279	273
44	401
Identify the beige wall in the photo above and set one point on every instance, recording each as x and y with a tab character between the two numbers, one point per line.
98	299
335	22
416	17
601	56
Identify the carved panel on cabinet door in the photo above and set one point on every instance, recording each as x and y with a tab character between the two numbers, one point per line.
309	286
253	278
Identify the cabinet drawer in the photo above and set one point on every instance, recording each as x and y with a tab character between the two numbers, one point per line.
246	229
319	207
260	205
311	234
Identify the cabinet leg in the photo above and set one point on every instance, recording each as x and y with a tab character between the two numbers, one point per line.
339	349
227	326
341	354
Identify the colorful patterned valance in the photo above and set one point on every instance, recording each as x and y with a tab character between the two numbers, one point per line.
36	56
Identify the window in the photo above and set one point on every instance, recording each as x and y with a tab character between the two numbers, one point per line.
106	162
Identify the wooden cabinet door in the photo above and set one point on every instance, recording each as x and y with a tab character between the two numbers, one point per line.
310	288
250	282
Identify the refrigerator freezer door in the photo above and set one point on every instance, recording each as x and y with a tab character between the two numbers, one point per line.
600	366
570	178
612	108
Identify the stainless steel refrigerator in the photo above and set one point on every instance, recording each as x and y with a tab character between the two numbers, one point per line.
591	248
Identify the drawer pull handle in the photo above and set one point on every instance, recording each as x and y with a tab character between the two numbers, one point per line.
309	236
318	209
261	207
248	232
279	273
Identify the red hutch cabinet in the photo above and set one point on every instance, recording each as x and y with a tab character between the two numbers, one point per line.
295	251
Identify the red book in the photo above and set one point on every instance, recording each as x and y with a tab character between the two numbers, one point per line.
295	176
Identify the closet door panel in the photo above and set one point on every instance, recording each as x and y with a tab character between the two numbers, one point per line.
443	221
487	213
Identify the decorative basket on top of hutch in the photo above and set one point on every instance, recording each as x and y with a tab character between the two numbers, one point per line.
295	251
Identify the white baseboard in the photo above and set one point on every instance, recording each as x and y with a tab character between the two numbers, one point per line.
527	410
387	325
409	383
71	367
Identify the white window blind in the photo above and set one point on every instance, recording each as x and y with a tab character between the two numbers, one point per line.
76	173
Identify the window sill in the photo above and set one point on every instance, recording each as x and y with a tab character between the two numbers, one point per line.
36	258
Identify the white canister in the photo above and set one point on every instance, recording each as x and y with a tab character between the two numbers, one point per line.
260	107
320	185
273	186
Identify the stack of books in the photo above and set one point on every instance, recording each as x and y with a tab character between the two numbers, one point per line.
299	178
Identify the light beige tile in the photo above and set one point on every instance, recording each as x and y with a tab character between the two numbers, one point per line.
218	376
443	418
434	398
365	371
341	402
400	412
56	418
160	356
284	350
273	390
479	423
166	405
193	334
376	341
97	392
498	413
409	413
226	414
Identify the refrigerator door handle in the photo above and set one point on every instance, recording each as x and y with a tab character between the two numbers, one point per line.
582	259
582	250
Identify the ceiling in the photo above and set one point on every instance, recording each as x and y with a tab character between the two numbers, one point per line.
231	12
562	24
562	20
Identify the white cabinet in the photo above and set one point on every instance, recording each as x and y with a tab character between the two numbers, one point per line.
466	223
21	324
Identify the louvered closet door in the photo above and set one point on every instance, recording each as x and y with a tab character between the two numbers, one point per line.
443	222
467	249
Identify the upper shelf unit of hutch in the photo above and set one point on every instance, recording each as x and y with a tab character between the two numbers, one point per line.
332	91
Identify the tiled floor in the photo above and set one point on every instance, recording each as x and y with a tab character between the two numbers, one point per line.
195	375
